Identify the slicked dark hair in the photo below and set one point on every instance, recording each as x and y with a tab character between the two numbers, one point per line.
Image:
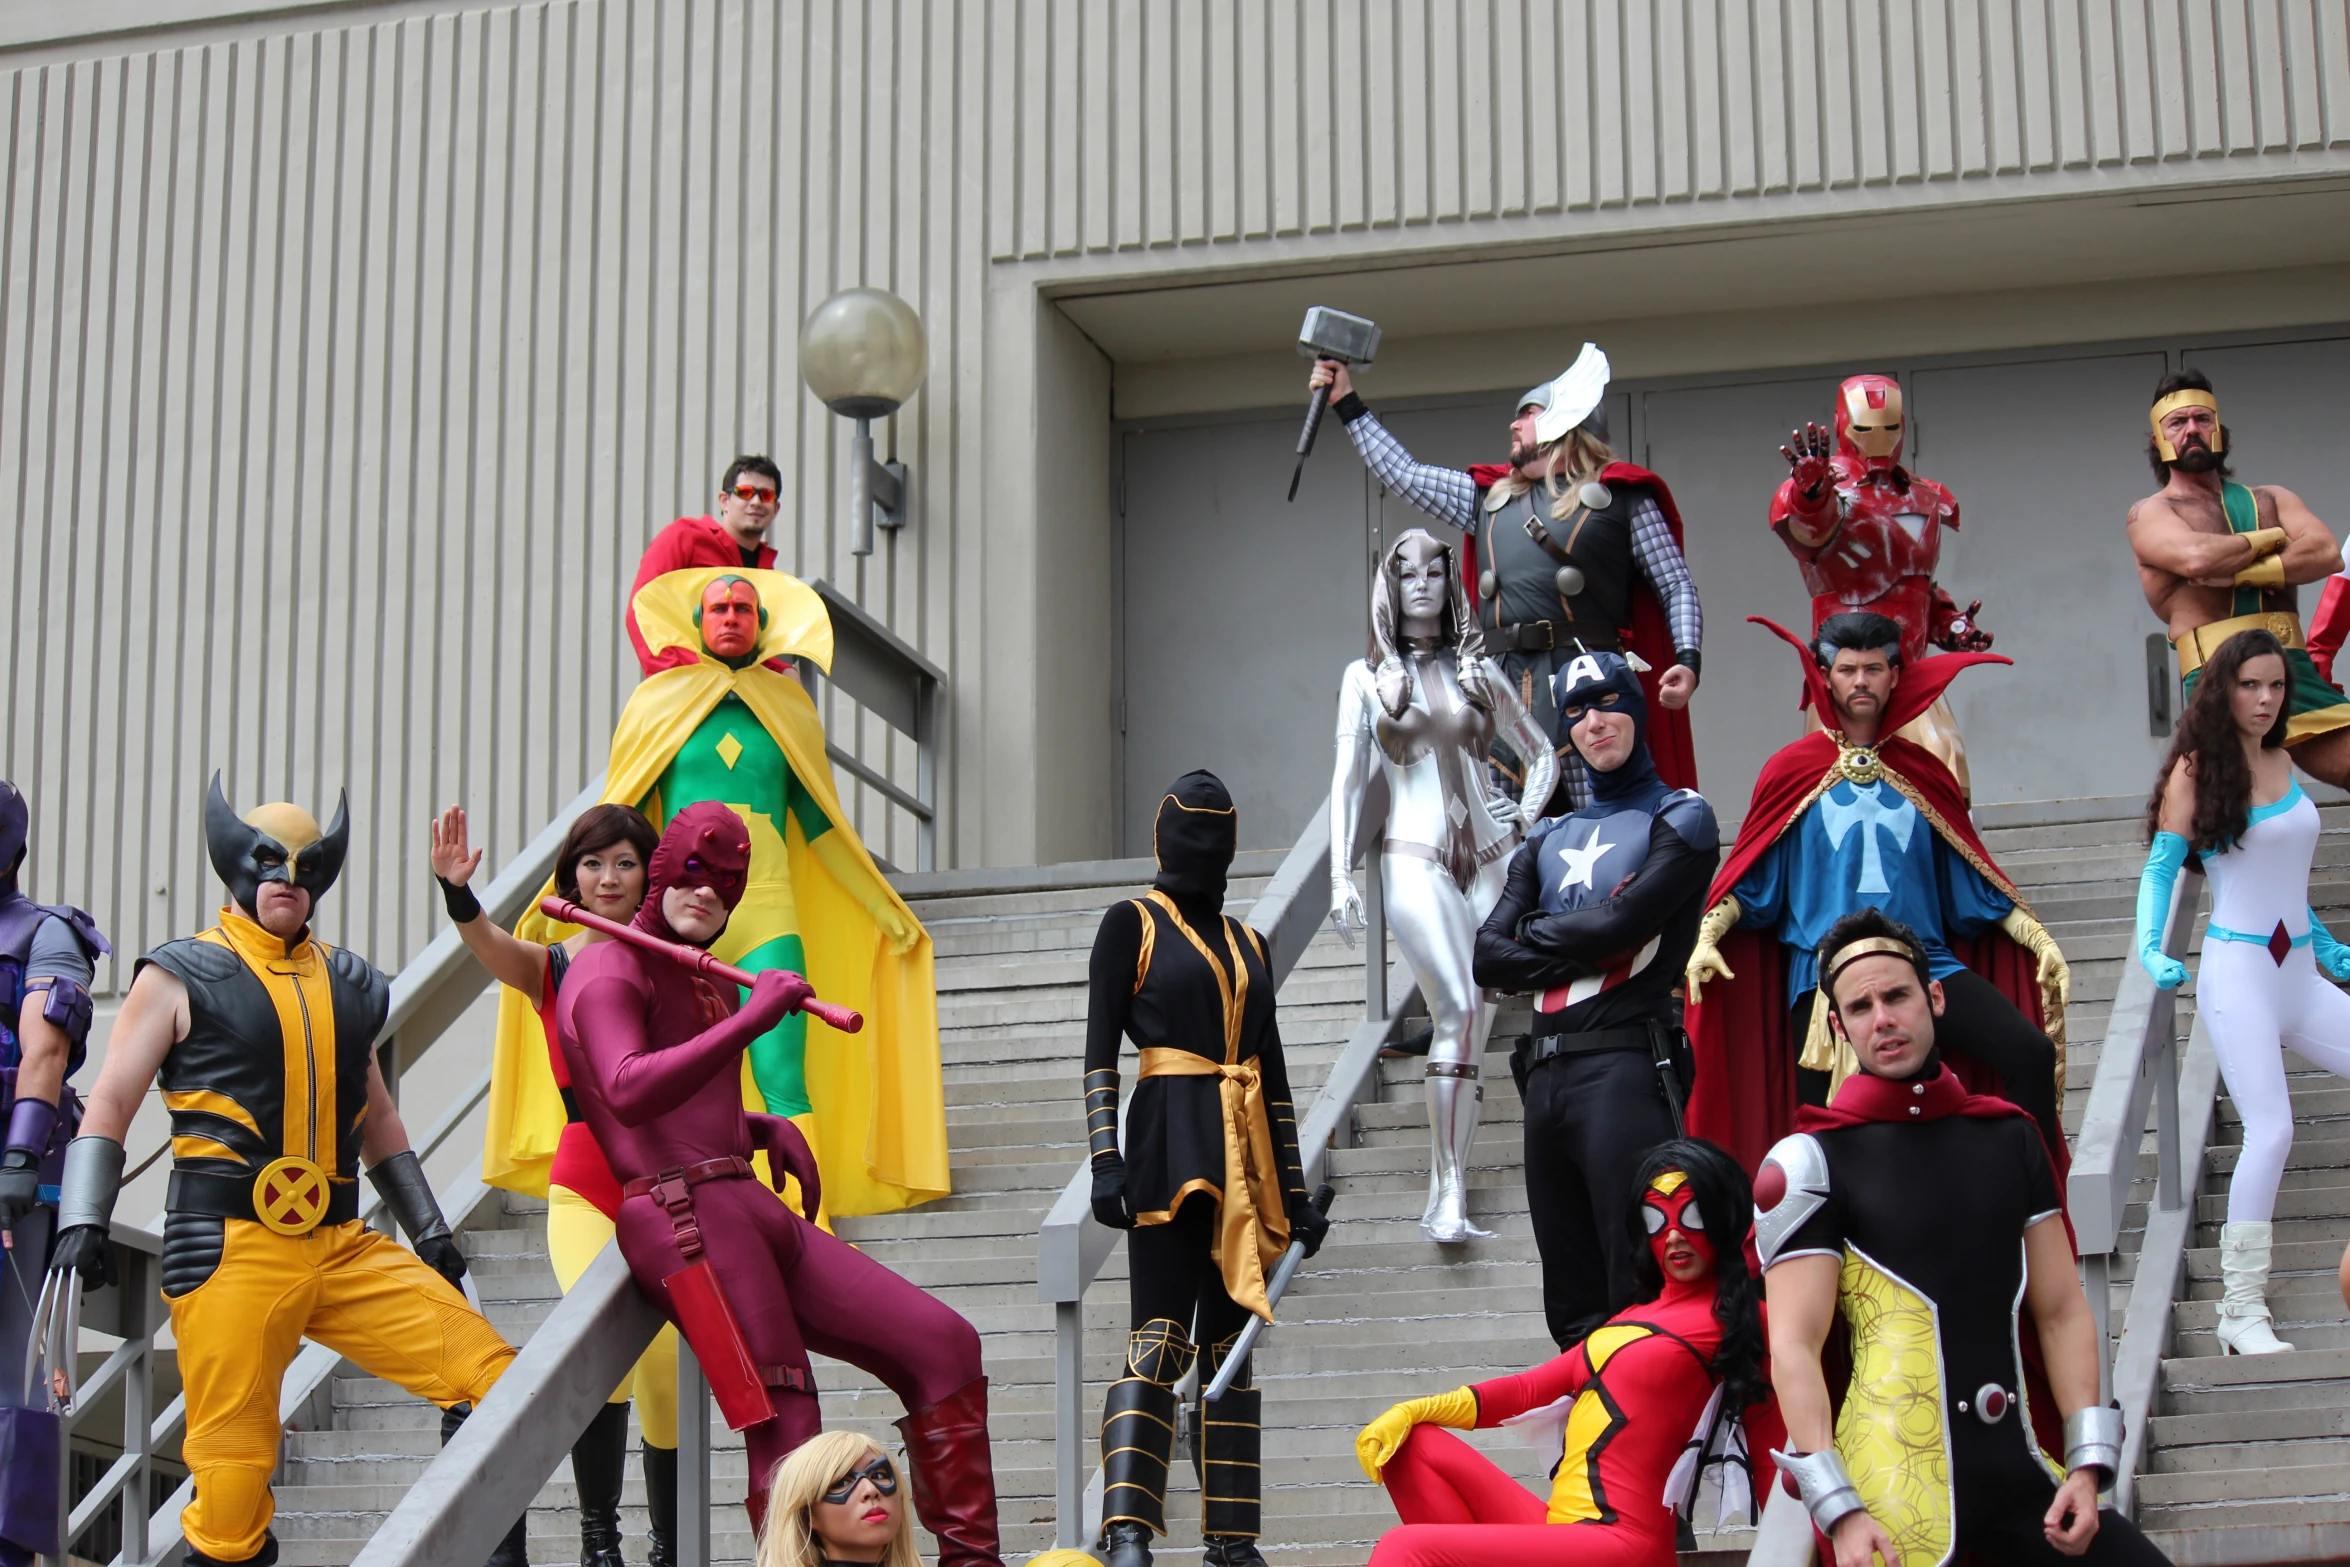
2186	381
1858	631
763	466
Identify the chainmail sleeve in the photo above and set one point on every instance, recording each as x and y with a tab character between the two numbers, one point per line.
1667	571
1443	493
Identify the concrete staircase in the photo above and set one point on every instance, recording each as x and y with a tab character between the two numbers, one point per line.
1381	1313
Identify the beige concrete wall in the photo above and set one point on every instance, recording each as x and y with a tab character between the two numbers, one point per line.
348	353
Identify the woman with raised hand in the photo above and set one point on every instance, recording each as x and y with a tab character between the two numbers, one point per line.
600	867
2226	793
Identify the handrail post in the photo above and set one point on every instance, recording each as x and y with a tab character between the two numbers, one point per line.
1069	1425
2163	1035
693	1460
138	1396
1374	940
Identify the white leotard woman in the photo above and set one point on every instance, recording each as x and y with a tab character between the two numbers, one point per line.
2268	965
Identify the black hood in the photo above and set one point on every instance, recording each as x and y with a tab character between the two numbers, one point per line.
1194	837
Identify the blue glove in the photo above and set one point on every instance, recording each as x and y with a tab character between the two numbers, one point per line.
2331	955
2154	893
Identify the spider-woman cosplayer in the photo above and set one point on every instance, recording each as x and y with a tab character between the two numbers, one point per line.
656	1056
1639	1405
2227	793
1424	708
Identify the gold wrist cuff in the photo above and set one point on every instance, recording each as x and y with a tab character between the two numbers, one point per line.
2269	573
2265	541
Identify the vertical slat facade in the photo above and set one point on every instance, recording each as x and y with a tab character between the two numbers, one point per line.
344	371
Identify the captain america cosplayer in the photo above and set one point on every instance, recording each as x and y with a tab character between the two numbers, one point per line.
1931	1220
1580	553
48	957
264	1039
1852	816
1597	919
1868	534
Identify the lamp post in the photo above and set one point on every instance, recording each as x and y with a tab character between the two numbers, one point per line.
862	353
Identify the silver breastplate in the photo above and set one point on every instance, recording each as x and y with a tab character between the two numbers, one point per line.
1435	752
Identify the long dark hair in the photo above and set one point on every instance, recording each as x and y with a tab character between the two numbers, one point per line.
1725	1203
602	827
2207	732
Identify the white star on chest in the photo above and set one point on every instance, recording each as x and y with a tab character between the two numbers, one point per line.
1579	861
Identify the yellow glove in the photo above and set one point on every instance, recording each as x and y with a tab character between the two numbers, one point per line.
1383	1438
2032	936
1705	959
2266	542
866	886
900	932
2269	573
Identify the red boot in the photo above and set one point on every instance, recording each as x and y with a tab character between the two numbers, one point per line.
954	1476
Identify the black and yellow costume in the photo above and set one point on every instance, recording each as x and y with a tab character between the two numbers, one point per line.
1210	1180
262	1245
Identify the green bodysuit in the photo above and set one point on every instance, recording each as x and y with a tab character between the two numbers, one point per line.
731	758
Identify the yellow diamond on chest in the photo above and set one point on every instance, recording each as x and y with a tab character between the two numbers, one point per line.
730	750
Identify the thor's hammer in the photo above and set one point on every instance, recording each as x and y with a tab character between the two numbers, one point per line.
1329	334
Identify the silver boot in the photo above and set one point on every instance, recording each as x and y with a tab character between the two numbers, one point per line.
1454	1098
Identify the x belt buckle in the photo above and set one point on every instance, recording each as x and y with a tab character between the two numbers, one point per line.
290	1195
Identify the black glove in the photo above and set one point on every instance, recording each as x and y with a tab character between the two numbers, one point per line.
20	1185
84	1249
440	1253
1109	1192
1307	1224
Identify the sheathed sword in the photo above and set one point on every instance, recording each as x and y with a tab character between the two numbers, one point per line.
1275	1288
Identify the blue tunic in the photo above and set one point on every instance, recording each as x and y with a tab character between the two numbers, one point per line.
1860	845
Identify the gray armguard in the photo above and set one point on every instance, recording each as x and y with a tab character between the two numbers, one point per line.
1825	1485
2093	1440
92	1180
400	1180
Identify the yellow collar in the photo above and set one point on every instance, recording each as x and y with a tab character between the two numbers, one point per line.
250	940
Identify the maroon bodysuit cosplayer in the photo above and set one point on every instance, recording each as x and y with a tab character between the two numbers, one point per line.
655	1052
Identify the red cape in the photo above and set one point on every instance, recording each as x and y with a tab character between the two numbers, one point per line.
1863	1100
685	543
1651	634
1744	1098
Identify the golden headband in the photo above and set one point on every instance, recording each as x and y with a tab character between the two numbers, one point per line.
1867	947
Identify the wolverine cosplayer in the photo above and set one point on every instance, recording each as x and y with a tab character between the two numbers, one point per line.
725	727
263	1037
1832	826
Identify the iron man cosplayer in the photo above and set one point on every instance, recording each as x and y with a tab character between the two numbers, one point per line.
1868	532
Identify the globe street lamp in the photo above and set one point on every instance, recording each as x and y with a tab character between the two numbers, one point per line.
862	353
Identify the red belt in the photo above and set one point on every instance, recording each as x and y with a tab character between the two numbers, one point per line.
671	1187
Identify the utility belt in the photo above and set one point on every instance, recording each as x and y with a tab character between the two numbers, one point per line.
1666	1045
1597	1041
2197	646
291	1196
1543	636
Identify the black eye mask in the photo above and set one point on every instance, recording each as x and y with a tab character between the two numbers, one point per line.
877	1469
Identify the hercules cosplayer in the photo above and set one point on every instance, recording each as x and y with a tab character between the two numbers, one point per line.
264	1038
2217	557
1854	815
726	726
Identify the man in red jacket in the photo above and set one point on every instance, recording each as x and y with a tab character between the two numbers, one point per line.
737	536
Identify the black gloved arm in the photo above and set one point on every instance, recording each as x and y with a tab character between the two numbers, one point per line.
1503	962
85	1210
1672	874
400	1180
1112	975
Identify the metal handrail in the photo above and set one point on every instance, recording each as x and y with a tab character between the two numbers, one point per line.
428	995
2138	1068
884	674
1071	1245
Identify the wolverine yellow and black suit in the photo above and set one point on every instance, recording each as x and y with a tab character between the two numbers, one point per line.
263	1038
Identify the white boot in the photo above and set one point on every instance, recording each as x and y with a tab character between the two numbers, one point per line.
2244	1324
1452	1128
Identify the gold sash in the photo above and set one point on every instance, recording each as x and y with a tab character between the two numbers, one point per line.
1252	1226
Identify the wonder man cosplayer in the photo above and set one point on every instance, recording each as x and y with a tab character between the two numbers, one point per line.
1931	1220
264	1038
1213	1191
1637	1408
728	728
2216	557
655	1053
1854	816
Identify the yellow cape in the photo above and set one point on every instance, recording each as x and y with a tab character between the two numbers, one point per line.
877	1095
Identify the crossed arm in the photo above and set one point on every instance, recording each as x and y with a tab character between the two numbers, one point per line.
2166	541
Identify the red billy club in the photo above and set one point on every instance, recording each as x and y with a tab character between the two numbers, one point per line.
847	1019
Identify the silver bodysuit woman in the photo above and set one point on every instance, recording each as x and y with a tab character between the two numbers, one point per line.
1416	720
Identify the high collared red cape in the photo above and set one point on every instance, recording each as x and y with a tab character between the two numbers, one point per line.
1651	634
1745	1093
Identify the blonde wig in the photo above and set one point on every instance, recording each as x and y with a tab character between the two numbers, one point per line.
799	1483
1575	458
